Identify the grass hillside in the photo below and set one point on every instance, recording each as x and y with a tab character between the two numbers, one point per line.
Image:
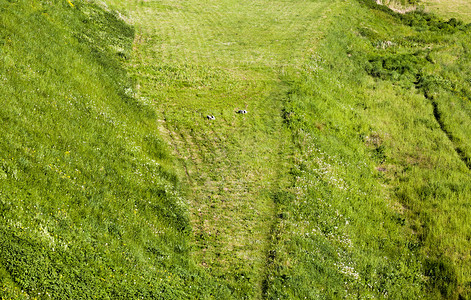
90	205
348	177
381	112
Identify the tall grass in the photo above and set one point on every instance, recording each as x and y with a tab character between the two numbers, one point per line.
379	200
90	204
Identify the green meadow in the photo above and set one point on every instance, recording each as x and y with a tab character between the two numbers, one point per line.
460	9
335	163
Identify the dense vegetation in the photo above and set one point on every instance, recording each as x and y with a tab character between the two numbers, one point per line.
381	115
348	177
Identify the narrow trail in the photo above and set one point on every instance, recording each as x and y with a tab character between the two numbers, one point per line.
193	59
437	114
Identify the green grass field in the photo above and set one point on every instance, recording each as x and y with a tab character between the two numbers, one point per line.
217	61
460	9
348	177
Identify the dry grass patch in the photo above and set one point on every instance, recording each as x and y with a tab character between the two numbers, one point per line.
460	9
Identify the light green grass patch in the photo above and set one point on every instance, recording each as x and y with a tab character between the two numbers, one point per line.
460	9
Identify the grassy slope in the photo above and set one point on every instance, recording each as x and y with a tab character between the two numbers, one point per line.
347	178
379	230
90	206
324	241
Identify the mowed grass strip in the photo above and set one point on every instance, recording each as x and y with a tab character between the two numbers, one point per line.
195	59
